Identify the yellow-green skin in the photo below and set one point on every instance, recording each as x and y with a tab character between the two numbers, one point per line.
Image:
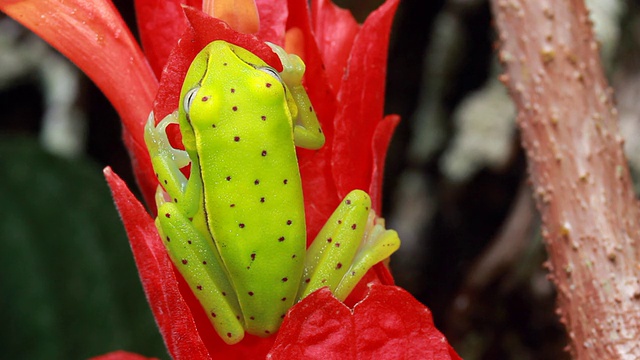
243	139
235	229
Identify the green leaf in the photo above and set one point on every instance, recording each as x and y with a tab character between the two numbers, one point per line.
69	288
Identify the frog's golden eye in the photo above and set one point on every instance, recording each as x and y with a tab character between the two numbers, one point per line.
188	99
271	71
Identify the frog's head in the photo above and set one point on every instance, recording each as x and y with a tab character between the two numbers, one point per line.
224	77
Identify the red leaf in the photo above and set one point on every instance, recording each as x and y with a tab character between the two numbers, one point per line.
320	194
318	327
160	24
392	324
387	324
335	30
362	97
273	18
381	138
156	272
201	30
121	355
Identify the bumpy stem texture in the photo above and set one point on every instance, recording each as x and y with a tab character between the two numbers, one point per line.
578	172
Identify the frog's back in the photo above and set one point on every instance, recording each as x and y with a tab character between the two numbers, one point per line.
253	191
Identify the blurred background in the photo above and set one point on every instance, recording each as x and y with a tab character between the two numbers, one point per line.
455	189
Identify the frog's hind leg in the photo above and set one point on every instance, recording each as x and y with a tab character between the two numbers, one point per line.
349	244
200	265
182	228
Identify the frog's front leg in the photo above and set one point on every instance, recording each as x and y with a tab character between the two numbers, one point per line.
307	132
180	222
167	162
349	244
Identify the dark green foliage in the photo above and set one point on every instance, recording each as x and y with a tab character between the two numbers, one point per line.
68	284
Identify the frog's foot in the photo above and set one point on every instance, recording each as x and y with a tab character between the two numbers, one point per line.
155	137
351	242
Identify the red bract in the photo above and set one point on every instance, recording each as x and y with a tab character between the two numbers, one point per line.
388	323
345	78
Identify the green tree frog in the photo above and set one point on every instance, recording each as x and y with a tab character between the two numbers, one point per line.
235	227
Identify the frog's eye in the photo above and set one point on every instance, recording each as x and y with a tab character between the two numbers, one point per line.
188	98
271	71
